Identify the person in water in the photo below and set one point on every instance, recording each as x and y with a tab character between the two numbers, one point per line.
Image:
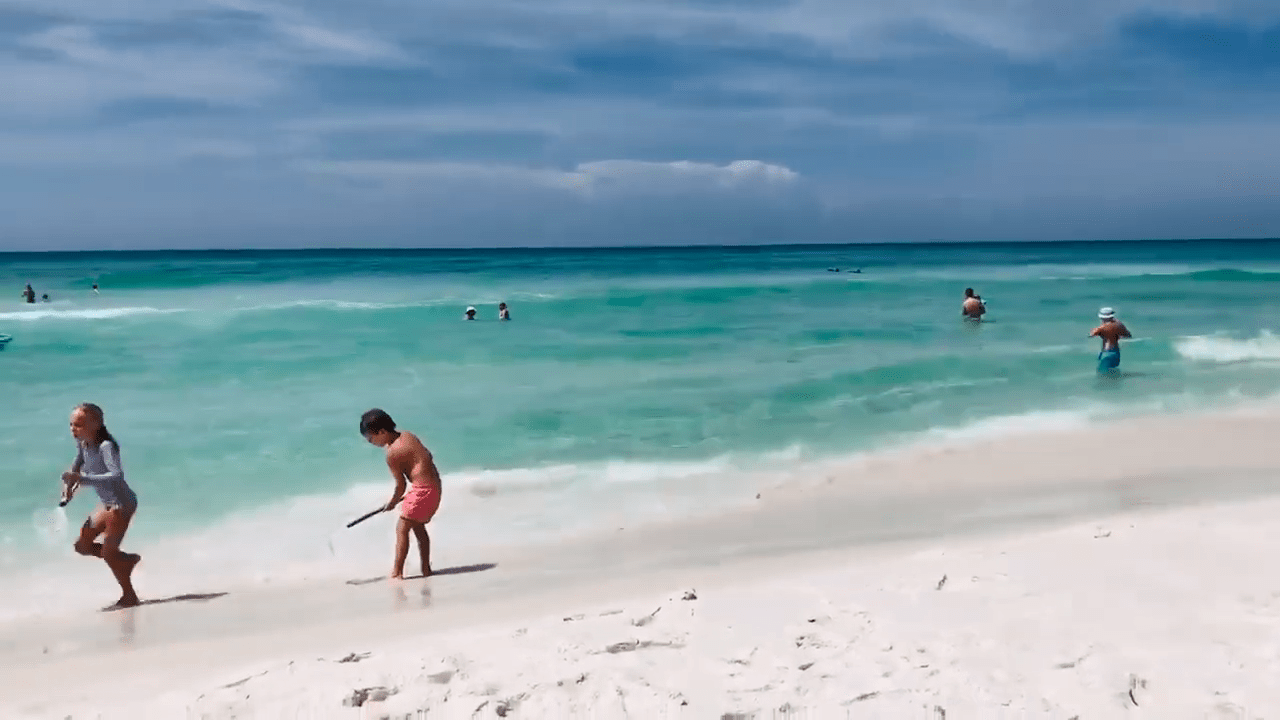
972	308
95	289
97	465
28	294
44	298
471	313
417	485
503	312
1111	330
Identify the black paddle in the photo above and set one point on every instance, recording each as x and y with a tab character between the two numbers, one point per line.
364	517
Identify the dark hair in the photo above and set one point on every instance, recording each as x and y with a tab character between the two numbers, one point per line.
968	292
375	421
103	433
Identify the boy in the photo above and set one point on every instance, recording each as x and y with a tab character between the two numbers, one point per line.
412	465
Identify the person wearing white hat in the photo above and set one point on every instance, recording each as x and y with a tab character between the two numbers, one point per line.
1111	330
471	313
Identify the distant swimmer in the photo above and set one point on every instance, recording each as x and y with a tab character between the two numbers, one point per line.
972	308
417	485
95	289
503	312
1111	330
97	465
44	298
29	295
471	313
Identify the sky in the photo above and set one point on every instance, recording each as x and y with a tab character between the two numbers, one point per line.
471	123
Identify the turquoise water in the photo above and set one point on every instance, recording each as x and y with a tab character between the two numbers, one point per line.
629	384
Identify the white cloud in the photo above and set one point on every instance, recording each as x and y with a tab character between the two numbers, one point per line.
586	178
734	174
87	73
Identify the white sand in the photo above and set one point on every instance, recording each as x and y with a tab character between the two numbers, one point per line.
1141	611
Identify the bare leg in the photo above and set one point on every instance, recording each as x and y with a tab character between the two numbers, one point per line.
112	524
121	563
424	547
402	548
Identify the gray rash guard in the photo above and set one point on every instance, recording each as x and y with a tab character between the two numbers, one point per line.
100	469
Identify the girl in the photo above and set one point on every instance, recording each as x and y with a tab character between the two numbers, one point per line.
97	465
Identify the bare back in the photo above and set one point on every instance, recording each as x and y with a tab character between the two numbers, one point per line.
1111	332
408	458
973	308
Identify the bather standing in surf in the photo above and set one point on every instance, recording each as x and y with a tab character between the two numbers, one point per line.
97	465
417	485
972	308
1111	330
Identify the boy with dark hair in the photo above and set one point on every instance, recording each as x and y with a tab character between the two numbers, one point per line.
417	485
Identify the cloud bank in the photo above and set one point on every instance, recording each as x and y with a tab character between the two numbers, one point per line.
248	123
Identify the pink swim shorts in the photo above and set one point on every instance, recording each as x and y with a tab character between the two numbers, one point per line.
420	503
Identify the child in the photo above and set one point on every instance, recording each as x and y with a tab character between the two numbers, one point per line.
411	463
97	465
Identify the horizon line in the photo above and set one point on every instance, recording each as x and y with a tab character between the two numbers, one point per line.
694	246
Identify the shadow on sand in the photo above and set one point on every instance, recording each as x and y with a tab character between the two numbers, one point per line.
456	570
188	597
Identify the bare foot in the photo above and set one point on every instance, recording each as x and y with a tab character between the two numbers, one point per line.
426	572
396	576
123	602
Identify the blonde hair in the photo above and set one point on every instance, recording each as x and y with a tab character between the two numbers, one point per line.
96	413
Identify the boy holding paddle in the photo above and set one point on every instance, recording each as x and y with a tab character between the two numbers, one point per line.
417	485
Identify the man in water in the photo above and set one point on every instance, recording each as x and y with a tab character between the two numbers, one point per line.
471	313
972	308
503	312
29	295
1111	330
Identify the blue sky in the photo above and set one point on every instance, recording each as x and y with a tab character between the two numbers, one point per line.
241	123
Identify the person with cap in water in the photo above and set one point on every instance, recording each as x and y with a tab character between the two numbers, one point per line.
503	312
471	313
1111	330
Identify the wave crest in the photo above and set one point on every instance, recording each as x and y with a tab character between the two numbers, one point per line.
1220	349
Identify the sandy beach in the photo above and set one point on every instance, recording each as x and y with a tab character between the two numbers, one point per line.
1105	572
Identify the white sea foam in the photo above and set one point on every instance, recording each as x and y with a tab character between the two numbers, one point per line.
1221	349
82	313
484	510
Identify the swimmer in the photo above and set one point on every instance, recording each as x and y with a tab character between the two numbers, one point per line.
417	485
1111	330
97	465
972	308
28	294
95	289
44	298
471	313
503	312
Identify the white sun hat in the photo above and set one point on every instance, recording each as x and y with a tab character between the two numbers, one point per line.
1106	313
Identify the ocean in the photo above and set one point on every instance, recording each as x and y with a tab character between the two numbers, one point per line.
630	385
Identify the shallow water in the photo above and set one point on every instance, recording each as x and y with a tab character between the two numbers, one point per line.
630	384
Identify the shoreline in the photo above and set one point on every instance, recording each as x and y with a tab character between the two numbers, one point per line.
1013	491
1073	618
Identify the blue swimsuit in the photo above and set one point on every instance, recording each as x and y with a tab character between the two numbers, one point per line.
1109	359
